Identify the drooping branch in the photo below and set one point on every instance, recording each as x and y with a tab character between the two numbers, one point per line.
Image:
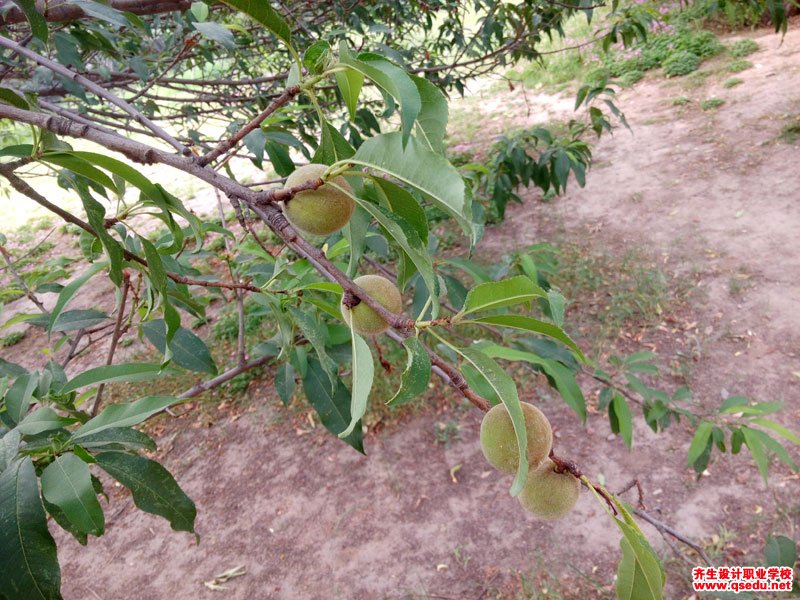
23	188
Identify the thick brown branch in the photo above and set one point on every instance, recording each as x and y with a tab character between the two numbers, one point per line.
63	10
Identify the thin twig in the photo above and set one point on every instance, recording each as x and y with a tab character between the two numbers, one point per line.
96	89
118	330
226	145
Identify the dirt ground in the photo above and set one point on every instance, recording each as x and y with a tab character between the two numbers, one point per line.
712	194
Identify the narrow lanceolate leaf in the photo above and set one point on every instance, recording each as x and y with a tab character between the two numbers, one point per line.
284	382
778	428
699	441
80	166
532	325
153	488
28	563
188	350
261	11
391	79
624	421
638	574
43	419
315	332
333	408
497	294
9	444
73	320
420	168
124	415
67	483
112	374
505	389
18	397
433	114
70	290
406	237
96	214
35	19
754	444
363	371
333	147
117	438
350	82
417	374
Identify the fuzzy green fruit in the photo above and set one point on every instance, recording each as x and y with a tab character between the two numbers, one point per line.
499	442
365	320
322	211
549	494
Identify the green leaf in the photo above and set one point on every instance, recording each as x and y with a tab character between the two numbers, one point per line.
188	350
350	82
559	375
11	97
72	320
124	415
433	114
700	441
9	445
118	438
10	369
401	202
67	483
316	56
153	488
529	324
556	301
333	147
420	168
199	10
28	563
37	21
496	294
333	408
158	277
216	33
43	419
70	290
391	79
316	333
96	214
753	442
18	397
285	383
261	11
639	573
112	374
406	237
417	374
80	166
623	414
778	428
506	390
363	372
780	551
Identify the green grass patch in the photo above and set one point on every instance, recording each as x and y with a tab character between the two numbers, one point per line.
681	101
711	103
732	82
737	66
12	339
742	48
790	133
681	63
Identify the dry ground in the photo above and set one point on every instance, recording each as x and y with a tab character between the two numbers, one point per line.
712	195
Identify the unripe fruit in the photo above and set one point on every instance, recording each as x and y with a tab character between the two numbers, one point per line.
365	320
549	494
322	211
499	442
